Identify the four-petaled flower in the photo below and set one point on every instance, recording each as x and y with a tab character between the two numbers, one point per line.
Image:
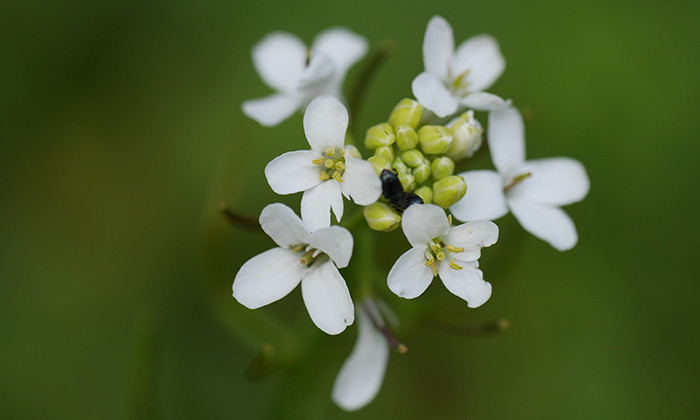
438	249
327	171
453	78
309	257
300	74
532	190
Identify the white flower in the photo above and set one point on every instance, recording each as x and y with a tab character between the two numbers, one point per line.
532	190
307	257
438	249
453	78
362	374
298	74
327	171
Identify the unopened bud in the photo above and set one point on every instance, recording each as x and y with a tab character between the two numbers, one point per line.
399	166
387	152
379	135
449	190
426	193
379	164
381	217
408	181
408	112
466	136
406	137
412	158
434	139
421	173
442	167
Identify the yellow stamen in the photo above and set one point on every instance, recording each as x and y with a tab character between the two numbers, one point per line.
324	176
435	247
342	152
440	256
449	219
337	177
435	272
318	161
296	248
454	265
340	166
454	249
329	163
430	261
330	152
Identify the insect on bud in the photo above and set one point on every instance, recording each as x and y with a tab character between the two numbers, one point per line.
426	193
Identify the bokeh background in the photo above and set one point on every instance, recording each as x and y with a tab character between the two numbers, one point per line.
121	133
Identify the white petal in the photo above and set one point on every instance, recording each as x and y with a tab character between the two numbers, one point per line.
554	181
433	95
361	376
467	283
472	236
271	110
409	277
438	46
316	204
551	224
360	182
267	277
327	298
484	101
334	241
506	138
424	222
280	58
325	123
484	199
293	172
319	70
283	225
342	46
482	57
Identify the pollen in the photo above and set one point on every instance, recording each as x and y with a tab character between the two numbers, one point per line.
454	266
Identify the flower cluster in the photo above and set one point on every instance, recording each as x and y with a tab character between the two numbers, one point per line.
410	180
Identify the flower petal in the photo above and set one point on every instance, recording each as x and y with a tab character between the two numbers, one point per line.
342	46
506	138
327	298
467	283
334	241
293	172
484	101
361	376
422	223
271	110
316	204
433	95
481	56
360	182
554	181
472	236
484	199
438	47
319	70
551	224
280	58
267	277
325	123
283	226
409	277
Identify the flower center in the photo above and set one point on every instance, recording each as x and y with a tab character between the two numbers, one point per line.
517	180
460	85
332	164
435	254
310	255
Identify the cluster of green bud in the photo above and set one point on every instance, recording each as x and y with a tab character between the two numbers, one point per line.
423	158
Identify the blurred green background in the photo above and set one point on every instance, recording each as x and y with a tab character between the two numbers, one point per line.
122	132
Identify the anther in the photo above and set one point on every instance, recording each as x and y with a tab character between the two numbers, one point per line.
329	163
430	261
318	161
440	256
336	176
324	176
454	265
449	219
454	249
340	166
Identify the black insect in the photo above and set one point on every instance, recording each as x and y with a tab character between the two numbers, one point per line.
393	191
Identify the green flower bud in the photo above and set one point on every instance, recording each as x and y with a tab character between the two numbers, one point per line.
379	164
406	137
379	135
381	217
421	173
449	190
412	157
442	167
399	166
408	112
352	151
434	139
426	193
466	136
387	152
408	181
